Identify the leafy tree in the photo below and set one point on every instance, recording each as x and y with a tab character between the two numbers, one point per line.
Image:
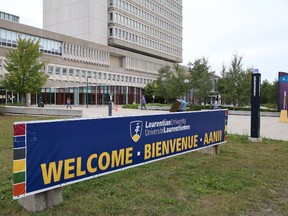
269	92
235	83
150	91
170	82
200	79
266	88
24	69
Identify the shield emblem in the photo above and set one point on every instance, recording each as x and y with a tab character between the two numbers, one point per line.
136	130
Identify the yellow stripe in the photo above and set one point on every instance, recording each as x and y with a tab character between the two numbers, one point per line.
226	128
19	165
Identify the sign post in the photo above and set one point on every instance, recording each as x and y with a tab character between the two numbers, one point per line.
255	107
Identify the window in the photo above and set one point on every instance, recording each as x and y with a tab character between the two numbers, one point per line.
57	70
70	71
77	73
64	71
50	69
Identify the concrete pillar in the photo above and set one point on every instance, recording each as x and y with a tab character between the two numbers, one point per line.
214	150
41	201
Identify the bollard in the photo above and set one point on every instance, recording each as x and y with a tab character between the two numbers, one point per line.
255	107
110	108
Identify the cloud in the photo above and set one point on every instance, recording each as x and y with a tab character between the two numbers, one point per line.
256	30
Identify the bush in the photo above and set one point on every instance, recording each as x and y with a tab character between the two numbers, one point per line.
1	110
130	106
198	107
16	104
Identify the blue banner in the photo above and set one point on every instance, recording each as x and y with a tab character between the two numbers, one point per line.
62	152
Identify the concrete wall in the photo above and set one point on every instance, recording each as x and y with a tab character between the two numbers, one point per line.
42	111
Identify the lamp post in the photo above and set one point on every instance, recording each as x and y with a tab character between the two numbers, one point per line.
186	81
87	92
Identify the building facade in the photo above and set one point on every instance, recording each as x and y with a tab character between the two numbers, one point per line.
99	50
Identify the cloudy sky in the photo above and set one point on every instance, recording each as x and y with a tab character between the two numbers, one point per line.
215	29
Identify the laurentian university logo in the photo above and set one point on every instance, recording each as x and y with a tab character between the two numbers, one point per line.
136	130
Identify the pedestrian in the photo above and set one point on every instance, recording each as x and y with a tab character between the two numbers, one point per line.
143	102
69	103
216	104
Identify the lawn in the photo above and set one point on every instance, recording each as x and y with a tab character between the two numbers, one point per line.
244	179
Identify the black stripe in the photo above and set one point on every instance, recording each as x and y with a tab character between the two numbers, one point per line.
19	154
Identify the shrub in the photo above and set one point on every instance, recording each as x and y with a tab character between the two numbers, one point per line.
1	110
198	107
130	106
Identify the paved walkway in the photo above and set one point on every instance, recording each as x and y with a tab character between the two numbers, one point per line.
237	124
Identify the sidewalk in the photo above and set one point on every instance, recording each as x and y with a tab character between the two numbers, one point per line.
237	124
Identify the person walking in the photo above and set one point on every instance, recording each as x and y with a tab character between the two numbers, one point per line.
143	102
68	101
216	104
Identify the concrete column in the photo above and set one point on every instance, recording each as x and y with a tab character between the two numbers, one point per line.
214	150
41	201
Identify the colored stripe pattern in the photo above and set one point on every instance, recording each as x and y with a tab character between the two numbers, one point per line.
19	160
226	125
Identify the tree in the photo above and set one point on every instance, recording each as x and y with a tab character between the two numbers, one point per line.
269	92
24	69
200	79
150	91
170	82
235	83
265	91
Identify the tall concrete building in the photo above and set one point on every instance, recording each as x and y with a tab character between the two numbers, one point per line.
149	27
99	49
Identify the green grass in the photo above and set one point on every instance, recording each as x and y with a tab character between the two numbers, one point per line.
244	179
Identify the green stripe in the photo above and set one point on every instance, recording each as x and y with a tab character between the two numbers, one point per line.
19	177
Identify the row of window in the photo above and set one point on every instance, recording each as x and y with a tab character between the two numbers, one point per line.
159	8
121	34
85	54
92	76
155	20
150	5
141	65
136	25
9	38
171	4
9	17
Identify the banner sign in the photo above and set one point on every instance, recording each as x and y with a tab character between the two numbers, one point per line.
282	90
51	154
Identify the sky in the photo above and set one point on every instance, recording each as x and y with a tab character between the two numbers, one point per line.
257	30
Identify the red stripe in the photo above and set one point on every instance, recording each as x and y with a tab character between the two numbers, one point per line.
19	189
19	129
